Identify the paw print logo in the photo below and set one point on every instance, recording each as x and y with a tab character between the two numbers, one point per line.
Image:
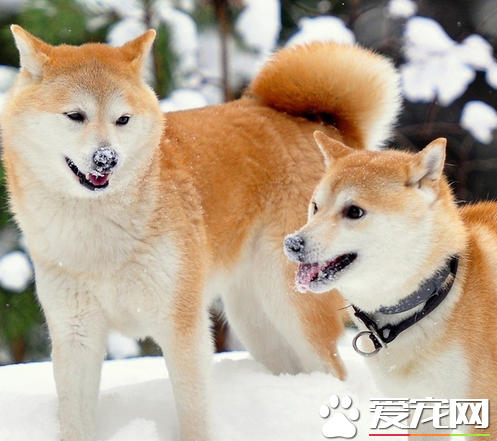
339	426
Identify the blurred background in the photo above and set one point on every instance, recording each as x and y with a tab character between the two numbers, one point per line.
207	51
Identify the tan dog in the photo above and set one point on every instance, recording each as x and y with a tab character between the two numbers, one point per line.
135	221
384	229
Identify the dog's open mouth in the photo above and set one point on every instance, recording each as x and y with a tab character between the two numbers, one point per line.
90	181
312	275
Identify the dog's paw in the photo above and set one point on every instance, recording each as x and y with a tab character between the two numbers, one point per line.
339	425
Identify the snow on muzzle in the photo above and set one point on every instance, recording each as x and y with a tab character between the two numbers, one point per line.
104	160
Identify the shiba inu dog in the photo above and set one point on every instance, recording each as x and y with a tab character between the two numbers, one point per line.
384	229
136	220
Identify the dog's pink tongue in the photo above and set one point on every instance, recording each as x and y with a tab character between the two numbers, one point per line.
305	273
98	180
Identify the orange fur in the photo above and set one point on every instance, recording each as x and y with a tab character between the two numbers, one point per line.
364	83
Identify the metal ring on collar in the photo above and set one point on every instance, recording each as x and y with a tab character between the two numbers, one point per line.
371	335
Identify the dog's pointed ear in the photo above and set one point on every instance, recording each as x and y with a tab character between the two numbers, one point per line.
136	50
330	148
34	53
427	166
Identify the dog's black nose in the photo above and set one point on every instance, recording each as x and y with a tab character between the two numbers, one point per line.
105	159
294	247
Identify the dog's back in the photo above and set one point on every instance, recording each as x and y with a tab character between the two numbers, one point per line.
253	160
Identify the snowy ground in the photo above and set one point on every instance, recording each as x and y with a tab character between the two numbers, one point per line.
136	401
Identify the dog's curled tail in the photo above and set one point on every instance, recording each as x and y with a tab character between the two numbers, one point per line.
347	86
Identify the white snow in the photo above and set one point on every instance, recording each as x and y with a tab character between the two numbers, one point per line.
11	6
402	8
183	99
259	24
184	38
242	65
120	346
326	28
125	30
7	77
434	69
248	402
480	120
476	52
439	68
120	8
16	272
491	75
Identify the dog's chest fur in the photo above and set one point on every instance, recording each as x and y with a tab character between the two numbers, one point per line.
92	236
441	374
104	249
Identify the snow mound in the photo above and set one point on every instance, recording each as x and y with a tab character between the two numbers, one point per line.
327	28
136	400
480	120
16	272
438	67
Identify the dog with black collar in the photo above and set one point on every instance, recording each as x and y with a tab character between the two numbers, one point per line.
420	273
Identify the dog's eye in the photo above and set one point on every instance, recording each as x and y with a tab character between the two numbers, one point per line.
76	116
314	207
123	120
353	212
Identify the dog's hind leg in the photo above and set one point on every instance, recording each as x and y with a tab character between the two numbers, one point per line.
311	324
256	331
271	318
78	332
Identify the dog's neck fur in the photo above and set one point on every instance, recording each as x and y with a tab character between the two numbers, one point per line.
428	288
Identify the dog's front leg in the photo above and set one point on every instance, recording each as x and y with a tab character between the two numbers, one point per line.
78	331
187	348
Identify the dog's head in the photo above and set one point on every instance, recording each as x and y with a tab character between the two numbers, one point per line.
370	222
81	119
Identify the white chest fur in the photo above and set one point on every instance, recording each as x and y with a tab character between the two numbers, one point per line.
102	250
417	372
83	235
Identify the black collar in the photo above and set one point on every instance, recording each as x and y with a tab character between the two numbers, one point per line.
433	291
